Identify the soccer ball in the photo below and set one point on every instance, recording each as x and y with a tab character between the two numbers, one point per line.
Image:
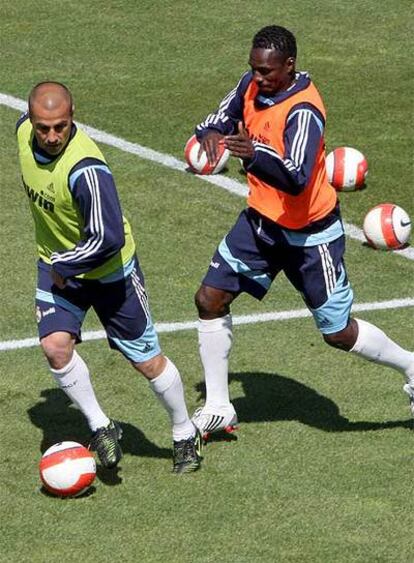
201	165
347	169
387	226
67	469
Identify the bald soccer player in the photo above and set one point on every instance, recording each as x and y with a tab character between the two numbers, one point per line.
87	259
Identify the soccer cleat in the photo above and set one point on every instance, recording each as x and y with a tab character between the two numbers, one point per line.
410	392
105	442
209	422
187	454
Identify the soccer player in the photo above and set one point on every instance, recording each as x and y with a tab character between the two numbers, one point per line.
87	259
274	120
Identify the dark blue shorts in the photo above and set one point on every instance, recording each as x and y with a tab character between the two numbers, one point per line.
119	300
255	250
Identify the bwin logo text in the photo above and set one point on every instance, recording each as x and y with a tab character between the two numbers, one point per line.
39	198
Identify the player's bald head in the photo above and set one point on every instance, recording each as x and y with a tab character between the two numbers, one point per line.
49	97
51	116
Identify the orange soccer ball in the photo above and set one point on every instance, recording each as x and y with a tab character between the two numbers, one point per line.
387	226
67	469
347	169
201	165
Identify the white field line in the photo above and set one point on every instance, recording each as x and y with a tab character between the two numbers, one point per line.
237	320
228	184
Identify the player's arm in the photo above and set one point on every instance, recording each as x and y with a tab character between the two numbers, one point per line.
292	171
93	189
224	120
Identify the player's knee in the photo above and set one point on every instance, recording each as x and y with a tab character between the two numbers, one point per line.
151	368
343	339
57	349
212	302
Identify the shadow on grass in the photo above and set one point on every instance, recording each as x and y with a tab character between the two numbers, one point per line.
60	421
91	491
272	397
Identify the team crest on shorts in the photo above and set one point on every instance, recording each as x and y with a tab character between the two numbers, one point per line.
41	314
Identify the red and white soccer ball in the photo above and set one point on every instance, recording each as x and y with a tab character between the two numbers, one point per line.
347	169
387	226
201	165
67	469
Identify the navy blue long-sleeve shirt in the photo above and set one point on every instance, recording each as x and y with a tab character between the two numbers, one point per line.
291	171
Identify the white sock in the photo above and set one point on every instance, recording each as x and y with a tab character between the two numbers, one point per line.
74	380
374	345
215	340
169	389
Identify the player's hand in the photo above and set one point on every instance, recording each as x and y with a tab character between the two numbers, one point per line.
209	144
240	145
58	280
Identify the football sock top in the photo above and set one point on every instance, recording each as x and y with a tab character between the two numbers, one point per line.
374	345
75	381
169	389
215	339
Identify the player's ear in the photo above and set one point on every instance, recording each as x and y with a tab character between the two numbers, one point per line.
290	61
72	109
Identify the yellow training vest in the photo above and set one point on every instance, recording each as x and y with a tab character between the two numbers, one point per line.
58	223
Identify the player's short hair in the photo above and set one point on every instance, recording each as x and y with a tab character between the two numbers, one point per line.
33	92
278	38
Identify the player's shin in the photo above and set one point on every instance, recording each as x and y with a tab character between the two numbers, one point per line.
75	381
168	388
374	345
215	339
